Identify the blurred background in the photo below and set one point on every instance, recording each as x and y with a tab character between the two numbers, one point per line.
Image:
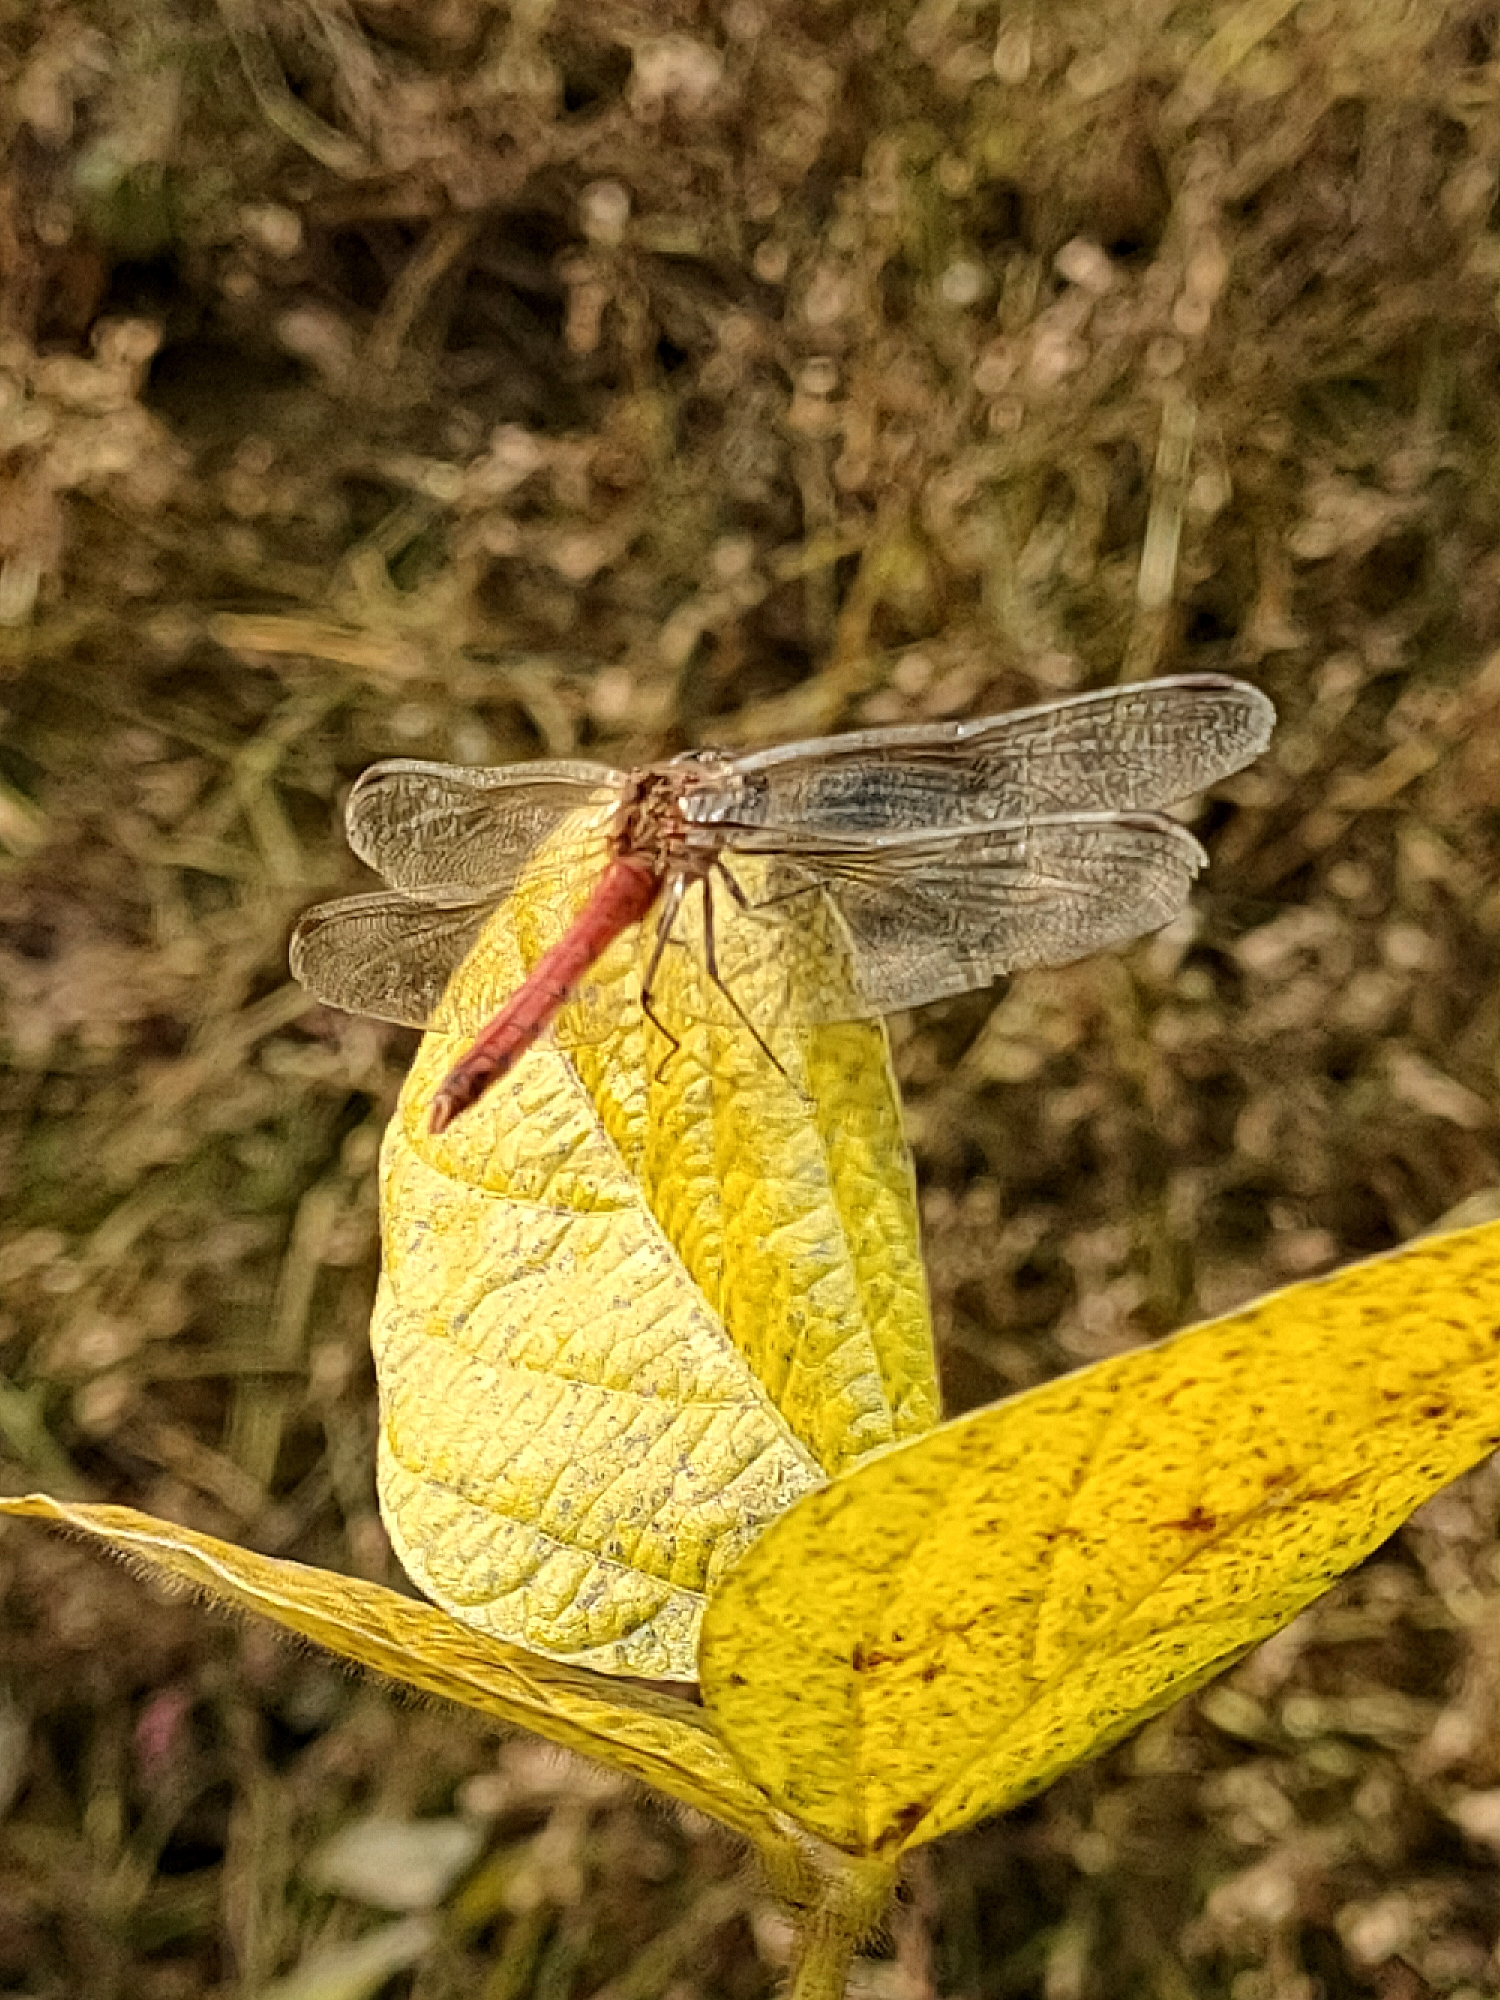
581	376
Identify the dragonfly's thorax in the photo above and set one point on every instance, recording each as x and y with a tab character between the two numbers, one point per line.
667	813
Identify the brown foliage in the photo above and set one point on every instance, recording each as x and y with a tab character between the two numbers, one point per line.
475	381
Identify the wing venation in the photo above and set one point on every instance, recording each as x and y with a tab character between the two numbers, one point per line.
1124	749
427	826
940	912
389	954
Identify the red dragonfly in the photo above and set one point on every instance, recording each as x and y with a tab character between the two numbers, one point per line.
950	853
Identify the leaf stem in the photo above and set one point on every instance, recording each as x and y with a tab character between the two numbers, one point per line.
825	1951
835	1899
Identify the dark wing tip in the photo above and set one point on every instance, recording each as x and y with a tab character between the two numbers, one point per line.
302	952
1162	827
1257	716
374	779
1247	717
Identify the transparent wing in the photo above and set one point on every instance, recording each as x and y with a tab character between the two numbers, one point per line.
942	912
926	915
444	826
392	953
1123	749
389	954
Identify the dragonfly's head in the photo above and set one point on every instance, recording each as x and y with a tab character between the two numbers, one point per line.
703	784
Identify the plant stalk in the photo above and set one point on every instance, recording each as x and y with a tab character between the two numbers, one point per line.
825	1950
835	1899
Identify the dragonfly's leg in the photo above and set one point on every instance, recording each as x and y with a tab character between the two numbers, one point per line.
671	904
750	908
662	1029
711	962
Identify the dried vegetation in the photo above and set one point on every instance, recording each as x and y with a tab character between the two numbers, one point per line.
469	381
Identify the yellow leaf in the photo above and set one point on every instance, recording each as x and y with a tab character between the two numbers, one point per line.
944	1630
640	1299
657	1738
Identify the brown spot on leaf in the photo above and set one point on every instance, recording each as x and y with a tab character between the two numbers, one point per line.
1197	1521
1340	1491
865	1659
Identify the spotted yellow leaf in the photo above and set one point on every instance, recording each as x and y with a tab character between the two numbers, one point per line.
642	1297
944	1630
655	1737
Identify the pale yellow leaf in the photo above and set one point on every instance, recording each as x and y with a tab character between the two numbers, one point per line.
657	1738
946	1629
639	1300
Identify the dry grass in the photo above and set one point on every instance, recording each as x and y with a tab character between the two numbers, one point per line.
389	377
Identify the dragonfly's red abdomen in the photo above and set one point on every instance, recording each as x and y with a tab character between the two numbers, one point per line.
621	897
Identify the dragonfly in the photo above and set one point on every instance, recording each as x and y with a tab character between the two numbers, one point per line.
950	853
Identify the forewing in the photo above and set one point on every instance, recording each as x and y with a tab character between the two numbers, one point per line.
940	913
446	826
1122	749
